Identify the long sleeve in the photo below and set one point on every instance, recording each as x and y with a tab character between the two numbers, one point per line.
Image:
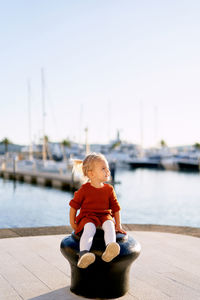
114	204
78	199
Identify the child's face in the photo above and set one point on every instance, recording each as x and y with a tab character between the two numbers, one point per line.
100	171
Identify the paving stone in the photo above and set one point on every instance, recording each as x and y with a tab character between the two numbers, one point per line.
33	268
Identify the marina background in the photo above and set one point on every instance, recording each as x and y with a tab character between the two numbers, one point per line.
146	196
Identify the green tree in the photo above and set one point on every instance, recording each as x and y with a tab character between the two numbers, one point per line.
66	143
163	144
46	138
6	142
115	145
197	146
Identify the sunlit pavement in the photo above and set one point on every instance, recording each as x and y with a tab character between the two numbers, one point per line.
168	268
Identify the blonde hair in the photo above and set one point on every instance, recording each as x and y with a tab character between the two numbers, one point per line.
87	164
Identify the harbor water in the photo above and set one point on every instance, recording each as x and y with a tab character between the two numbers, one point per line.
146	197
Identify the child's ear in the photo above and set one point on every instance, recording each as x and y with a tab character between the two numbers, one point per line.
90	173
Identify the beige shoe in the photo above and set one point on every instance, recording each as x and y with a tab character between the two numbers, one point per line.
85	260
112	250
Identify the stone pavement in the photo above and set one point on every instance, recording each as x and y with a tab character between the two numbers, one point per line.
168	267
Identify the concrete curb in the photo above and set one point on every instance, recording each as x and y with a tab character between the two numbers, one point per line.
55	230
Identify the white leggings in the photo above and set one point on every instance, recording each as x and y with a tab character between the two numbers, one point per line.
89	232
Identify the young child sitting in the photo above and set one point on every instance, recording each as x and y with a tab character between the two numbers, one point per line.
98	204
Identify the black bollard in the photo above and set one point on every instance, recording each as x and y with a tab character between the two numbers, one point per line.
101	279
112	166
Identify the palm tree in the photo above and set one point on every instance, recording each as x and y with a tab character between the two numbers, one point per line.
163	143
197	146
66	143
6	142
46	138
47	148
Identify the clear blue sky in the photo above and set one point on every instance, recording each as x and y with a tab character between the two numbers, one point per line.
102	58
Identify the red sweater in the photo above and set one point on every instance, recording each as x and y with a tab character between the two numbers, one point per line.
96	204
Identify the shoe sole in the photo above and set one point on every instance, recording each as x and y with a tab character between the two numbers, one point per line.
112	250
86	260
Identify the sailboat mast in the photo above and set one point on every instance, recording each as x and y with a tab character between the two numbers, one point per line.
155	125
80	123
29	119
87	146
141	124
44	156
109	120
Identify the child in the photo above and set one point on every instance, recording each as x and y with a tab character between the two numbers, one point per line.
97	203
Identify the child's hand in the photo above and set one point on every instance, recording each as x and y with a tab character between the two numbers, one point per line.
119	228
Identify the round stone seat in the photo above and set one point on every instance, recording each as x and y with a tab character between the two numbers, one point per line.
101	279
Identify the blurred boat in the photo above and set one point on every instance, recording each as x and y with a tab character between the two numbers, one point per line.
170	163
42	166
189	163
152	161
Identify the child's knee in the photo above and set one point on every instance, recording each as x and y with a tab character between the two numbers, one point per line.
90	227
108	224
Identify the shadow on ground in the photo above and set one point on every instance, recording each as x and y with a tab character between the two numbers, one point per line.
61	294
